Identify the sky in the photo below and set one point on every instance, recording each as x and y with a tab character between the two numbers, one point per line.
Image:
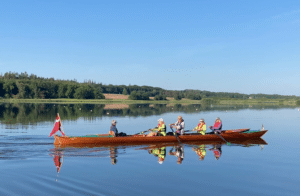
220	46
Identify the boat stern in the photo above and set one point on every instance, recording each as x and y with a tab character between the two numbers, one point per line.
56	140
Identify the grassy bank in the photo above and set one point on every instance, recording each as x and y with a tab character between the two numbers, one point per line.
205	101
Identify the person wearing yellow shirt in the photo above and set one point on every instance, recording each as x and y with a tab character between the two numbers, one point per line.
201	128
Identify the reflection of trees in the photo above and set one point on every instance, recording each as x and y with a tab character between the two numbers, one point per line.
28	113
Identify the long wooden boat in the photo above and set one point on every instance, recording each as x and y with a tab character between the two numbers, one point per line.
105	139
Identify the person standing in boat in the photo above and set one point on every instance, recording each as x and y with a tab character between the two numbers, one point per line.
159	130
217	126
113	129
179	125
201	128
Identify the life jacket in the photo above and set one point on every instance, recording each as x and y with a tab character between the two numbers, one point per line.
201	128
217	124
162	128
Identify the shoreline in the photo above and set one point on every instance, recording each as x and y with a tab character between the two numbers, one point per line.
204	101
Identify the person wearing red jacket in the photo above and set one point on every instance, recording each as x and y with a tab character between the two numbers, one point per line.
217	126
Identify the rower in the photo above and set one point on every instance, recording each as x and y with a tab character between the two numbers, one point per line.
217	126
201	128
179	125
159	130
113	129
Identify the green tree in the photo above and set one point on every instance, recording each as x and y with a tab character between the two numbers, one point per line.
84	92
125	91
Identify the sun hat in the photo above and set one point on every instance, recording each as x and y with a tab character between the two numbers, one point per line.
160	120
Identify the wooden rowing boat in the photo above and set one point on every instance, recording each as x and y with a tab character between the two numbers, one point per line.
105	139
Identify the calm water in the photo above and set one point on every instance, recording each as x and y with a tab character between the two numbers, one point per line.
29	162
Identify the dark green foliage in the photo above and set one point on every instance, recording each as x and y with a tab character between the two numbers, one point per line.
160	97
2	91
177	97
24	86
194	96
298	102
62	89
125	91
85	92
138	96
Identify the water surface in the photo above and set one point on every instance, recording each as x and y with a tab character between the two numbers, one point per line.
30	163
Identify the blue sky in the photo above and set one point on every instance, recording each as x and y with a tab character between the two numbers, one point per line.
222	46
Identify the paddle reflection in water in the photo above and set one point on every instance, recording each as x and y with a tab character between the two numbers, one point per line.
158	151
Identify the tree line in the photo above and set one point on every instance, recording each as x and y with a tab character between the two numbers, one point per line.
25	86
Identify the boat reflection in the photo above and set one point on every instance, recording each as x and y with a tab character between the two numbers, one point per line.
177	150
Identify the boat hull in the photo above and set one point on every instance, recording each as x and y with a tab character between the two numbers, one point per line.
138	139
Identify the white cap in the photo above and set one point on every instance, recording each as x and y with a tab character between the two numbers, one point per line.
113	122
160	162
160	120
201	119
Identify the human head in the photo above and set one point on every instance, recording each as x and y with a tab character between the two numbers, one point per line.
113	122
201	120
160	120
201	158
179	118
218	118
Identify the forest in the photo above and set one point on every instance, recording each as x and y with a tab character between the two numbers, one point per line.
25	86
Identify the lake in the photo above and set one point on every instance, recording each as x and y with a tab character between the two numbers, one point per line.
31	165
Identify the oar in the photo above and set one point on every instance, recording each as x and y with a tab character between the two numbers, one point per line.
175	135
228	143
142	132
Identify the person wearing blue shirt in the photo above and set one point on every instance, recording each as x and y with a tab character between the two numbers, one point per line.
113	129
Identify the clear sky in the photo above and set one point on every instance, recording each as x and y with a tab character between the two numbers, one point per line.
229	46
